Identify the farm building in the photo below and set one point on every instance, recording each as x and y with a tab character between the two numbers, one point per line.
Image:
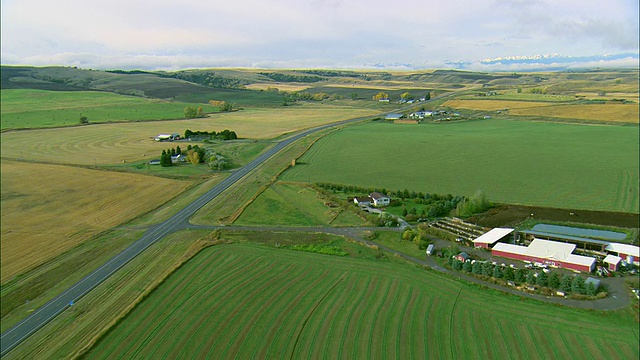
613	262
362	200
379	199
628	253
167	137
393	116
462	257
547	252
489	239
581	242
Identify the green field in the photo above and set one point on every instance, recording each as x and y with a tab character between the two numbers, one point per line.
517	162
251	301
294	205
22	108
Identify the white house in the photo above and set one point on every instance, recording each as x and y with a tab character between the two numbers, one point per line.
379	199
362	200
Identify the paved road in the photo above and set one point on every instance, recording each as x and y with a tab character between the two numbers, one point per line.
21	331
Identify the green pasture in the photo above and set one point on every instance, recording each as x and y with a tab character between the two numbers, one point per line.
22	108
252	301
294	205
516	162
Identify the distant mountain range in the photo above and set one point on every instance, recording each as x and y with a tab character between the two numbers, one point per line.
525	63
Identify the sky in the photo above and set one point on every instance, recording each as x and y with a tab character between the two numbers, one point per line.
499	35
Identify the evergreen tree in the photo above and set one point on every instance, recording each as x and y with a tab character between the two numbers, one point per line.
477	268
508	274
467	266
531	278
497	272
520	276
565	283
542	279
577	285
590	289
554	280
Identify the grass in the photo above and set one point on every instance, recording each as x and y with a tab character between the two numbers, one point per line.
49	209
513	162
245	300
28	109
292	205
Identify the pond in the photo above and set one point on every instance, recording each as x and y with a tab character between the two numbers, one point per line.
574	231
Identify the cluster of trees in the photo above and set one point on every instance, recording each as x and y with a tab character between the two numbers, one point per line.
194	155
222	105
438	205
291	78
208	79
417	236
191	113
211	135
381	95
333	73
552	280
476	204
84	119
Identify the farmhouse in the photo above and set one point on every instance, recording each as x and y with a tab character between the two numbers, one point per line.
547	252
489	239
379	199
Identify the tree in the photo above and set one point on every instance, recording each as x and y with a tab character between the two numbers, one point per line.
190	112
404	211
199	112
428	96
508	274
354	96
406	96
467	266
487	269
531	278
477	268
457	265
381	96
590	289
554	280
497	272
577	285
193	156
226	106
565	283
165	159
520	276
178	150
542	279
84	119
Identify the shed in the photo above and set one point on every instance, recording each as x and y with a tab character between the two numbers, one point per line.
393	116
628	253
462	257
613	262
595	282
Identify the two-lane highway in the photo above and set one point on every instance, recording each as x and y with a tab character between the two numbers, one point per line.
21	331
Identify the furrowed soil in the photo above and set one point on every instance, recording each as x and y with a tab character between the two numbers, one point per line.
508	215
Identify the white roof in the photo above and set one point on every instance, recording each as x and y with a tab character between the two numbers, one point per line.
624	249
550	249
612	259
580	260
511	248
546	249
492	236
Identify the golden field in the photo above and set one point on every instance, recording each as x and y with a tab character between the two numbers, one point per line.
279	86
607	112
48	209
103	144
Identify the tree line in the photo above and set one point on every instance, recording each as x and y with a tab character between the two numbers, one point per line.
211	135
552	280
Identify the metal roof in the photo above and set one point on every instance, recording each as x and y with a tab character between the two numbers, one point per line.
624	249
546	249
612	259
566	237
492	236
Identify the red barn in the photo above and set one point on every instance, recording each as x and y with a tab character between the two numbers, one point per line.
547	252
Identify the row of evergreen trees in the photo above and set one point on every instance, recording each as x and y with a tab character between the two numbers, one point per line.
194	154
566	283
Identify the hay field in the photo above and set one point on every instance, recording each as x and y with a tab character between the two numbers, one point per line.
48	209
103	144
247	301
607	112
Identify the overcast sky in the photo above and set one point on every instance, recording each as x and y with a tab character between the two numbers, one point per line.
162	34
